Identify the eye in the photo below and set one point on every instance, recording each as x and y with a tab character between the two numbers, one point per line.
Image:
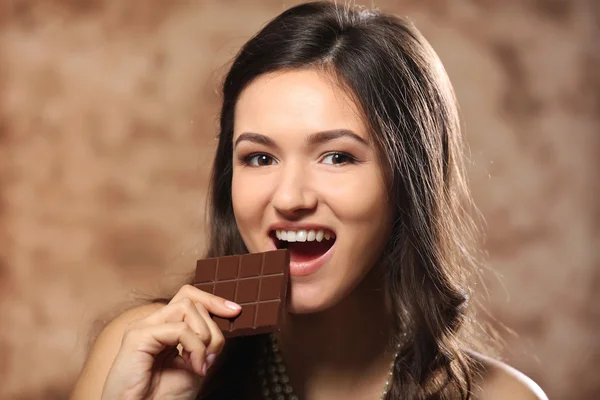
338	158
258	160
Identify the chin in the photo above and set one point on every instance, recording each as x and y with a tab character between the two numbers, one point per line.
303	308
311	300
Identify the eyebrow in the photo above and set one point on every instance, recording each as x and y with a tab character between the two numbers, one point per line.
312	139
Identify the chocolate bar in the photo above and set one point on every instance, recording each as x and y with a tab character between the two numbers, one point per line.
257	282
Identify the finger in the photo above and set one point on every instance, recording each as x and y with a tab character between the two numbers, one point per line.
181	363
214	304
186	311
217	341
186	356
155	339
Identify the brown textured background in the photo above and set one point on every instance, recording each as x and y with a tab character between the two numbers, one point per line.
107	124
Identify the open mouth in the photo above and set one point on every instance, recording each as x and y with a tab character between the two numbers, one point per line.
304	245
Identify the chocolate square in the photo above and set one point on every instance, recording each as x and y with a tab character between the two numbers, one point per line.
273	260
223	324
267	313
251	265
205	270
247	291
246	317
225	289
270	288
228	268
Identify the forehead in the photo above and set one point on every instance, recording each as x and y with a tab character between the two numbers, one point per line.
305	100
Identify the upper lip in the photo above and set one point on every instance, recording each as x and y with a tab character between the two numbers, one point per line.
297	227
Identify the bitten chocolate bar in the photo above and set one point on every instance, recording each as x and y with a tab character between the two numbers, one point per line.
257	282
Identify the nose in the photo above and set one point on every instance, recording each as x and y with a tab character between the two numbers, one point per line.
294	197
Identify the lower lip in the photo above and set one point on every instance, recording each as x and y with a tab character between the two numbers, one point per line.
305	268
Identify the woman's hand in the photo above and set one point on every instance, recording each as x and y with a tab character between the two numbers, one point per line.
149	364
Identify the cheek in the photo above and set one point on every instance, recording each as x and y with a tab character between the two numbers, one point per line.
248	202
360	199
365	215
241	198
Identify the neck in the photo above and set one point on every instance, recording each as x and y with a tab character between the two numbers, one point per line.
346	346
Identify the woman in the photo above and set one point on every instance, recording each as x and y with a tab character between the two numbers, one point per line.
339	140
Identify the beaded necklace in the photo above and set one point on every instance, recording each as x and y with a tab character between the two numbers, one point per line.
275	383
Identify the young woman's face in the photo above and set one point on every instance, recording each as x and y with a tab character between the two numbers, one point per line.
307	176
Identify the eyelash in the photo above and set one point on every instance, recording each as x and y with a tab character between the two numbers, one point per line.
247	160
351	159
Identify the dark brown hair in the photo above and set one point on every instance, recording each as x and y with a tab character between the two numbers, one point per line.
408	103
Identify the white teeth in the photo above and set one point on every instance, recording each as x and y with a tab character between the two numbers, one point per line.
319	236
301	236
304	235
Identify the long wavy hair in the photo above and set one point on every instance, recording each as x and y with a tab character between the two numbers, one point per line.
407	101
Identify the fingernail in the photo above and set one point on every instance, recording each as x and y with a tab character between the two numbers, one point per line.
204	367
210	359
232	305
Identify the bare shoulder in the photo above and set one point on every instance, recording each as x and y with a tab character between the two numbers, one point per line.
91	380
500	381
